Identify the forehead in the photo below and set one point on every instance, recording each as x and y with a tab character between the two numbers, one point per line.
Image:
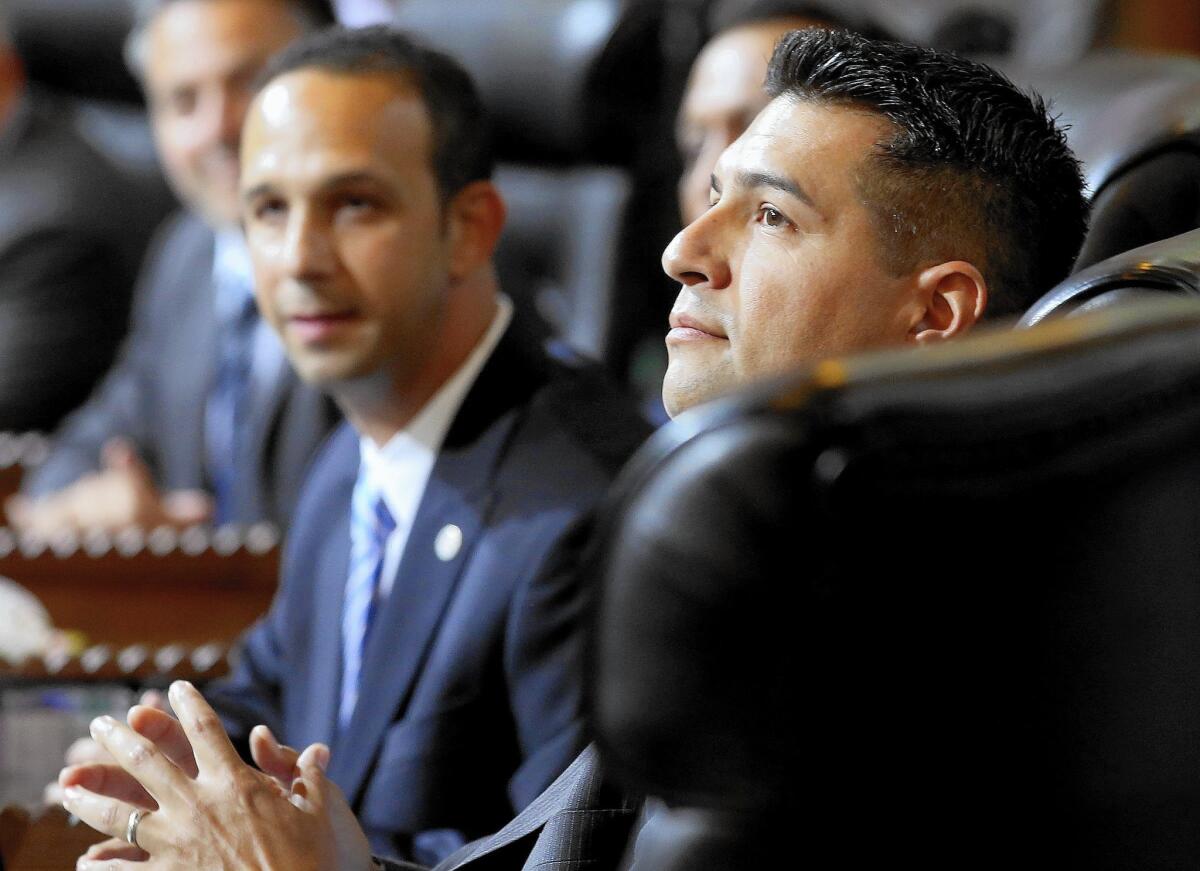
198	38
316	122
819	145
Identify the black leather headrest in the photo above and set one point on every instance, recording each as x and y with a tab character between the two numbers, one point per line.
1117	104
76	46
1168	267
939	604
564	79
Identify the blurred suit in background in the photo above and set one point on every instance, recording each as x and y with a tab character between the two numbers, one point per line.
202	419
72	229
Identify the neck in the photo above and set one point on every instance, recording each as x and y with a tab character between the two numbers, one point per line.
382	404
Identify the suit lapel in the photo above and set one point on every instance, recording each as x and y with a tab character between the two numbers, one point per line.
267	399
459	493
183	383
329	577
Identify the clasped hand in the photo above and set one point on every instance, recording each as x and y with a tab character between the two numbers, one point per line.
203	807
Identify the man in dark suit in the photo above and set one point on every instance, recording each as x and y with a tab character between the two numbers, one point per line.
67	260
850	215
202	418
448	686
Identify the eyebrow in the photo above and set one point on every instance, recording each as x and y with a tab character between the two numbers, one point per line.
753	179
330	183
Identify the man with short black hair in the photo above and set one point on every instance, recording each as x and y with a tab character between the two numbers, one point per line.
794	261
887	195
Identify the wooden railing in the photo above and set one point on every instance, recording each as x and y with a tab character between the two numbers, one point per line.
161	587
48	840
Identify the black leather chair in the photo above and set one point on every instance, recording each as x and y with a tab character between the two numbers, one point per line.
1168	267
574	87
936	607
1134	122
75	49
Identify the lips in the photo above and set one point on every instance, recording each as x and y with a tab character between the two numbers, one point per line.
685	327
317	326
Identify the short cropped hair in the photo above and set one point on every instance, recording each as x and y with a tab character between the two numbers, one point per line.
311	13
462	151
976	169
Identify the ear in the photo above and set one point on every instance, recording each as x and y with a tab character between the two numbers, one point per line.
475	217
12	81
955	295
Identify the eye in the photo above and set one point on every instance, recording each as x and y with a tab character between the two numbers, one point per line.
269	208
770	216
354	205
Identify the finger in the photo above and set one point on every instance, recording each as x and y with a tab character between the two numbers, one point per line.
314	755
154	699
141	758
119	453
166	733
85	864
110	781
186	507
274	759
84	751
115	848
17	508
111	817
210	745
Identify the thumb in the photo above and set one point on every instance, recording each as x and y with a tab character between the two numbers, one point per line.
119	454
314	793
273	759
311	790
187	507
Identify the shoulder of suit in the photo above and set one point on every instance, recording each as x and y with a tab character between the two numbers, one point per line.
592	411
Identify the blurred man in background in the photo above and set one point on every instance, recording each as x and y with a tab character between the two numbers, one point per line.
725	87
202	418
72	230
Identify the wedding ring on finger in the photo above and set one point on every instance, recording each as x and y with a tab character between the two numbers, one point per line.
131	828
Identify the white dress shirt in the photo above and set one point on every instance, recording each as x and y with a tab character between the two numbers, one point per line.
400	469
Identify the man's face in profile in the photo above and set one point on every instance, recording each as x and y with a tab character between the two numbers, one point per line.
784	266
201	58
724	93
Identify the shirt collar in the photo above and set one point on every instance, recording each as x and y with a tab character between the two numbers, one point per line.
400	467
233	273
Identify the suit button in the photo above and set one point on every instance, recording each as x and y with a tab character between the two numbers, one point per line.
448	542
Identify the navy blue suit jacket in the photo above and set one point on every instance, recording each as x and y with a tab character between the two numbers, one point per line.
470	697
155	394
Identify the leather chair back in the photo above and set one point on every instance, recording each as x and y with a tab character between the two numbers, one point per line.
1168	267
1134	122
941	606
574	90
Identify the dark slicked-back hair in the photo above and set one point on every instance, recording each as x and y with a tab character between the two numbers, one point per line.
462	150
976	169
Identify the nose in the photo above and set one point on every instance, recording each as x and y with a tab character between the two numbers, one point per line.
230	114
308	250
696	256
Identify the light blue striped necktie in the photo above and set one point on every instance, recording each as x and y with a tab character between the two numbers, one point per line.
370	526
